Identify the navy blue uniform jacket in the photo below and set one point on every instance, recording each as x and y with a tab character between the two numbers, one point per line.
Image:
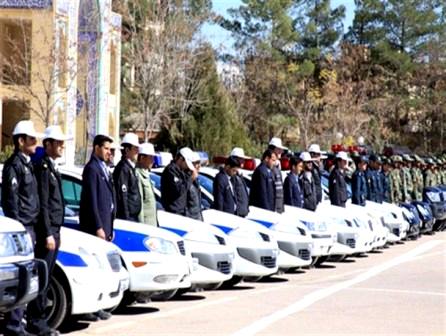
337	188
262	189
97	197
293	192
224	197
359	188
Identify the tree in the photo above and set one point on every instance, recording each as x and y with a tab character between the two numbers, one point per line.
159	49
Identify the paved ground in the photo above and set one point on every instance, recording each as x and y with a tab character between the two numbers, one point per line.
399	291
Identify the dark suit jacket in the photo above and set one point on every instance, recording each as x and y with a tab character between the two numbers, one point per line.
128	199
97	198
224	197
52	204
337	188
293	191
359	188
262	193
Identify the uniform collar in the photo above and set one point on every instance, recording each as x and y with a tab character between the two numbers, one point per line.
25	157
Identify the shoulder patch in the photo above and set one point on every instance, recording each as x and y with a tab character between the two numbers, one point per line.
14	182
124	188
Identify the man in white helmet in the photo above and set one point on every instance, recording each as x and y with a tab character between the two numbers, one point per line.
276	146
316	154
20	200
128	198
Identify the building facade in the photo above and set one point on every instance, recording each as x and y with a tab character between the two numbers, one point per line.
60	64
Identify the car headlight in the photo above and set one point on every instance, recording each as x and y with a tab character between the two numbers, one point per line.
433	196
15	244
160	245
7	245
91	259
8	273
246	233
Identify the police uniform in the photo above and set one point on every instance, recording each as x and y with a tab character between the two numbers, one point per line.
337	187
128	197
278	185
20	201
316	173
51	218
293	193
262	193
175	184
241	195
359	188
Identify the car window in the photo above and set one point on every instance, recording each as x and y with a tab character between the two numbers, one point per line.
72	193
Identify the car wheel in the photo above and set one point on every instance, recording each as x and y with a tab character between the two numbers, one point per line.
164	296
213	286
232	282
127	299
57	304
320	260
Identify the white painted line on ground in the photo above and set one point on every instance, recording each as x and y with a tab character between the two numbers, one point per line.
397	291
318	295
427	256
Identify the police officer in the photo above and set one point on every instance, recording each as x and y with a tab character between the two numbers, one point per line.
239	184
128	198
147	214
374	192
395	180
225	198
193	208
308	185
276	146
337	188
359	183
176	181
263	189
292	185
20	200
316	155
52	213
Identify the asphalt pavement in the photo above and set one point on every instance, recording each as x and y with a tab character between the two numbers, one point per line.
400	290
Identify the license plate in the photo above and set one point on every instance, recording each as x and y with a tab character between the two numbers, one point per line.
33	285
123	285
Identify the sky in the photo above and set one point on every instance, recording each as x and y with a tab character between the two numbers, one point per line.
221	38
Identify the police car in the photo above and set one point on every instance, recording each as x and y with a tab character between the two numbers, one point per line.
254	254
156	259
21	276
295	245
88	275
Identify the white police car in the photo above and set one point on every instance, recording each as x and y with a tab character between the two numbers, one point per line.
21	276
155	258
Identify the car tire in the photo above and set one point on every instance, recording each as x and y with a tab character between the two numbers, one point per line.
164	296
213	286
232	282
57	307
127	299
320	260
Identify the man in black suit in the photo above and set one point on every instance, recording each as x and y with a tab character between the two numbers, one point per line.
262	192
97	205
52	212
225	198
292	186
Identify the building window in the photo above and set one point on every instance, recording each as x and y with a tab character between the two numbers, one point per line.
15	51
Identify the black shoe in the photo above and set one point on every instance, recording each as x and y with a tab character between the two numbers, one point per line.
91	317
103	315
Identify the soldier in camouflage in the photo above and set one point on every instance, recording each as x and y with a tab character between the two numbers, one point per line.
395	180
417	177
406	178
430	180
437	171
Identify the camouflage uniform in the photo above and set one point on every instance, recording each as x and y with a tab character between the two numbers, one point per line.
418	181
395	182
407	182
430	179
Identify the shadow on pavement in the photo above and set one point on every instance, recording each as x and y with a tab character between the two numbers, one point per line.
376	252
187	297
295	271
72	326
135	310
361	256
272	280
236	288
348	261
325	266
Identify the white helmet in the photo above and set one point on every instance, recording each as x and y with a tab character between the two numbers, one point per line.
55	132
314	148
131	139
277	142
147	148
26	127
